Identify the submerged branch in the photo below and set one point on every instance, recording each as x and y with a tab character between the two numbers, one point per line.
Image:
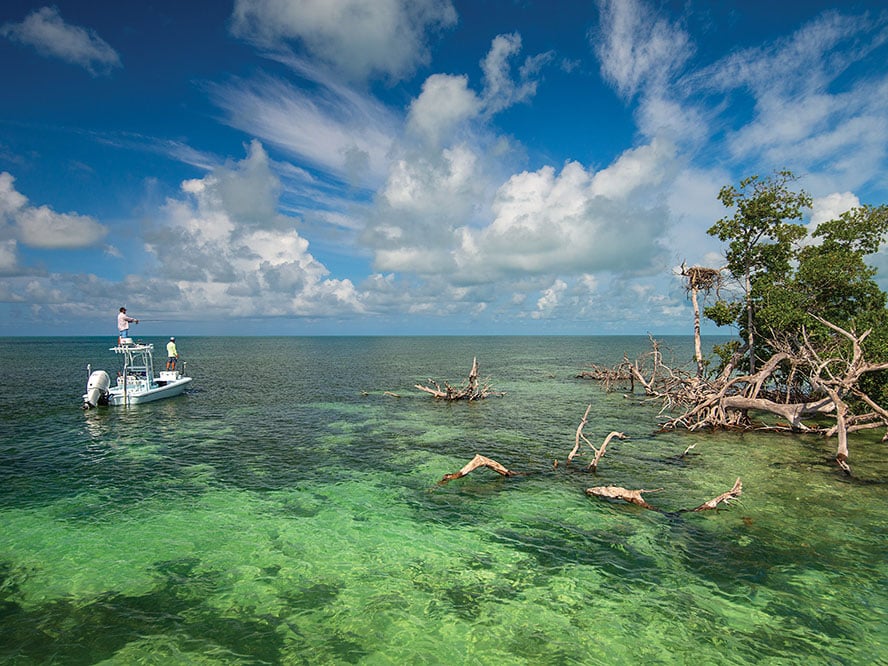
475	463
732	494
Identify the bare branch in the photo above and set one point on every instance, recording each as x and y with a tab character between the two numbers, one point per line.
593	466
579	436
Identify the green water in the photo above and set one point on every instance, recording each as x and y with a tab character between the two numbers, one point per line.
287	511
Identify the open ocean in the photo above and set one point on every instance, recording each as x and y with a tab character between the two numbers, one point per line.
285	510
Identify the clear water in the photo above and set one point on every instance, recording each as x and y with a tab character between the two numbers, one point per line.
285	510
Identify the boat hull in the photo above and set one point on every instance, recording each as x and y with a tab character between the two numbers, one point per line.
139	395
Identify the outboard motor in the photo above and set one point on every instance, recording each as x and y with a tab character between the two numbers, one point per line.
96	389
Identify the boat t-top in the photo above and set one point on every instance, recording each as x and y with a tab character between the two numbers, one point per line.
136	383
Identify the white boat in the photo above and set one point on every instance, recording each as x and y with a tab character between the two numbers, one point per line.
136	383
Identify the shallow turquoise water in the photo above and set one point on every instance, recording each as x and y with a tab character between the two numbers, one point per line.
285	510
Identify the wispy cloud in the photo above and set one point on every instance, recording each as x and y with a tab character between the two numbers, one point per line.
637	48
46	31
501	89
799	116
336	130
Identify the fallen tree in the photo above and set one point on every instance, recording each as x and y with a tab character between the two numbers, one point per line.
473	389
812	386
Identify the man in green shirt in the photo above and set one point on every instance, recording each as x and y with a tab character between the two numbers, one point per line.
172	354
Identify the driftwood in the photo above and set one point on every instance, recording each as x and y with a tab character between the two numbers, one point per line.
593	466
473	389
616	492
475	463
606	492
635	497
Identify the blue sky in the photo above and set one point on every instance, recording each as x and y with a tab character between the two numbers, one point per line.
411	166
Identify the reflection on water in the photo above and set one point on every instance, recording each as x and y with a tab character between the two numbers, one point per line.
286	509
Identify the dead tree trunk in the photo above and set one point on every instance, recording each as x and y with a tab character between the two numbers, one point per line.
699	279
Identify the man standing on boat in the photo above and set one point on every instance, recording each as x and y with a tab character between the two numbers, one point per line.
172	354
123	322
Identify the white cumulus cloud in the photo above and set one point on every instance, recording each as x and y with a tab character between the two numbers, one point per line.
225	248
444	103
8	257
42	227
830	207
357	38
547	303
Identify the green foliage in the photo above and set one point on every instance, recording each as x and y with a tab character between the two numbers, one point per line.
723	313
833	277
758	235
860	230
725	352
788	276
